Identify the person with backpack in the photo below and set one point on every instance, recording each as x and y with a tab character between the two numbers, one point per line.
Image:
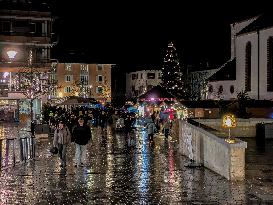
81	136
62	137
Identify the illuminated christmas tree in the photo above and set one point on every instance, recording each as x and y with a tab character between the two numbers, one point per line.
171	72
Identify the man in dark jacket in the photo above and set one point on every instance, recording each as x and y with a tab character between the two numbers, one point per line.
81	136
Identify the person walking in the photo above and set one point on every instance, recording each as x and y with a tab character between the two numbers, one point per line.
150	129
128	129
81	136
166	127
103	121
62	137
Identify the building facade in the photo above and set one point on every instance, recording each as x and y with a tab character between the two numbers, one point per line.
139	82
251	62
25	45
84	80
197	81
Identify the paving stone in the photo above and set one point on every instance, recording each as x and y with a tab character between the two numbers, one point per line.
144	174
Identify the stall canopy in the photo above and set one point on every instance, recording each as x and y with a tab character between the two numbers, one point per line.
156	94
74	100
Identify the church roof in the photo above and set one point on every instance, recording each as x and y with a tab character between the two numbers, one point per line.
263	21
225	72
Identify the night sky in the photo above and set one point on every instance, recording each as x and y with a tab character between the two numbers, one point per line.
136	34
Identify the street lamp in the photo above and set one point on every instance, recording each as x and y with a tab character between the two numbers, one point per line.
11	54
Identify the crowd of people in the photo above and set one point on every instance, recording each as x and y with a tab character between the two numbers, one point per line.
75	124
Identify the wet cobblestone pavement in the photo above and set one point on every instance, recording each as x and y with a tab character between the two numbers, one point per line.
143	174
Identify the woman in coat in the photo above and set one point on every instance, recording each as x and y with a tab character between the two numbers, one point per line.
62	137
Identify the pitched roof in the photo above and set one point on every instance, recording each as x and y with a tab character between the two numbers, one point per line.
263	21
156	93
225	72
74	100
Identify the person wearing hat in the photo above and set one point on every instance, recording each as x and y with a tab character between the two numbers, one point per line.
81	135
62	137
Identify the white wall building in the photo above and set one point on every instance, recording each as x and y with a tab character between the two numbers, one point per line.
197	80
139	82
251	65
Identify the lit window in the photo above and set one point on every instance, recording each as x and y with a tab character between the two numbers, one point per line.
84	68
99	89
84	79
68	78
68	67
67	89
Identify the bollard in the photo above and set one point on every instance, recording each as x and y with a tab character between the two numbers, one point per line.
25	151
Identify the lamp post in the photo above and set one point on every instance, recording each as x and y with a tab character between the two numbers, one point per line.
229	121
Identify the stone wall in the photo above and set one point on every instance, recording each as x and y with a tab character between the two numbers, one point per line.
213	152
245	127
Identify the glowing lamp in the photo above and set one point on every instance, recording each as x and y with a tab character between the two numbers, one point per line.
6	74
11	54
229	121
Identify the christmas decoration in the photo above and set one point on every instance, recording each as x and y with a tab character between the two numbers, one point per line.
171	72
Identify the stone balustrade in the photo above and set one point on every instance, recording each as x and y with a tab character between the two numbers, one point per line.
213	152
244	128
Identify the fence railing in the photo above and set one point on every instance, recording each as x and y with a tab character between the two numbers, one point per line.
16	150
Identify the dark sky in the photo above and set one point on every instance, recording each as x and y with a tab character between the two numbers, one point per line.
135	34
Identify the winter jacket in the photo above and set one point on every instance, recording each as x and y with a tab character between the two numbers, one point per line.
81	134
151	128
61	136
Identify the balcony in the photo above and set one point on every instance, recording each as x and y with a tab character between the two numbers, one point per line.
17	66
25	39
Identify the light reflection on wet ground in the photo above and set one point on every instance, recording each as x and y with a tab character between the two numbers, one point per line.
143	174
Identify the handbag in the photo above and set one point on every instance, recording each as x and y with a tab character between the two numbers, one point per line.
54	150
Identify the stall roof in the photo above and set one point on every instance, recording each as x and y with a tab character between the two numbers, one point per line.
74	100
157	93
